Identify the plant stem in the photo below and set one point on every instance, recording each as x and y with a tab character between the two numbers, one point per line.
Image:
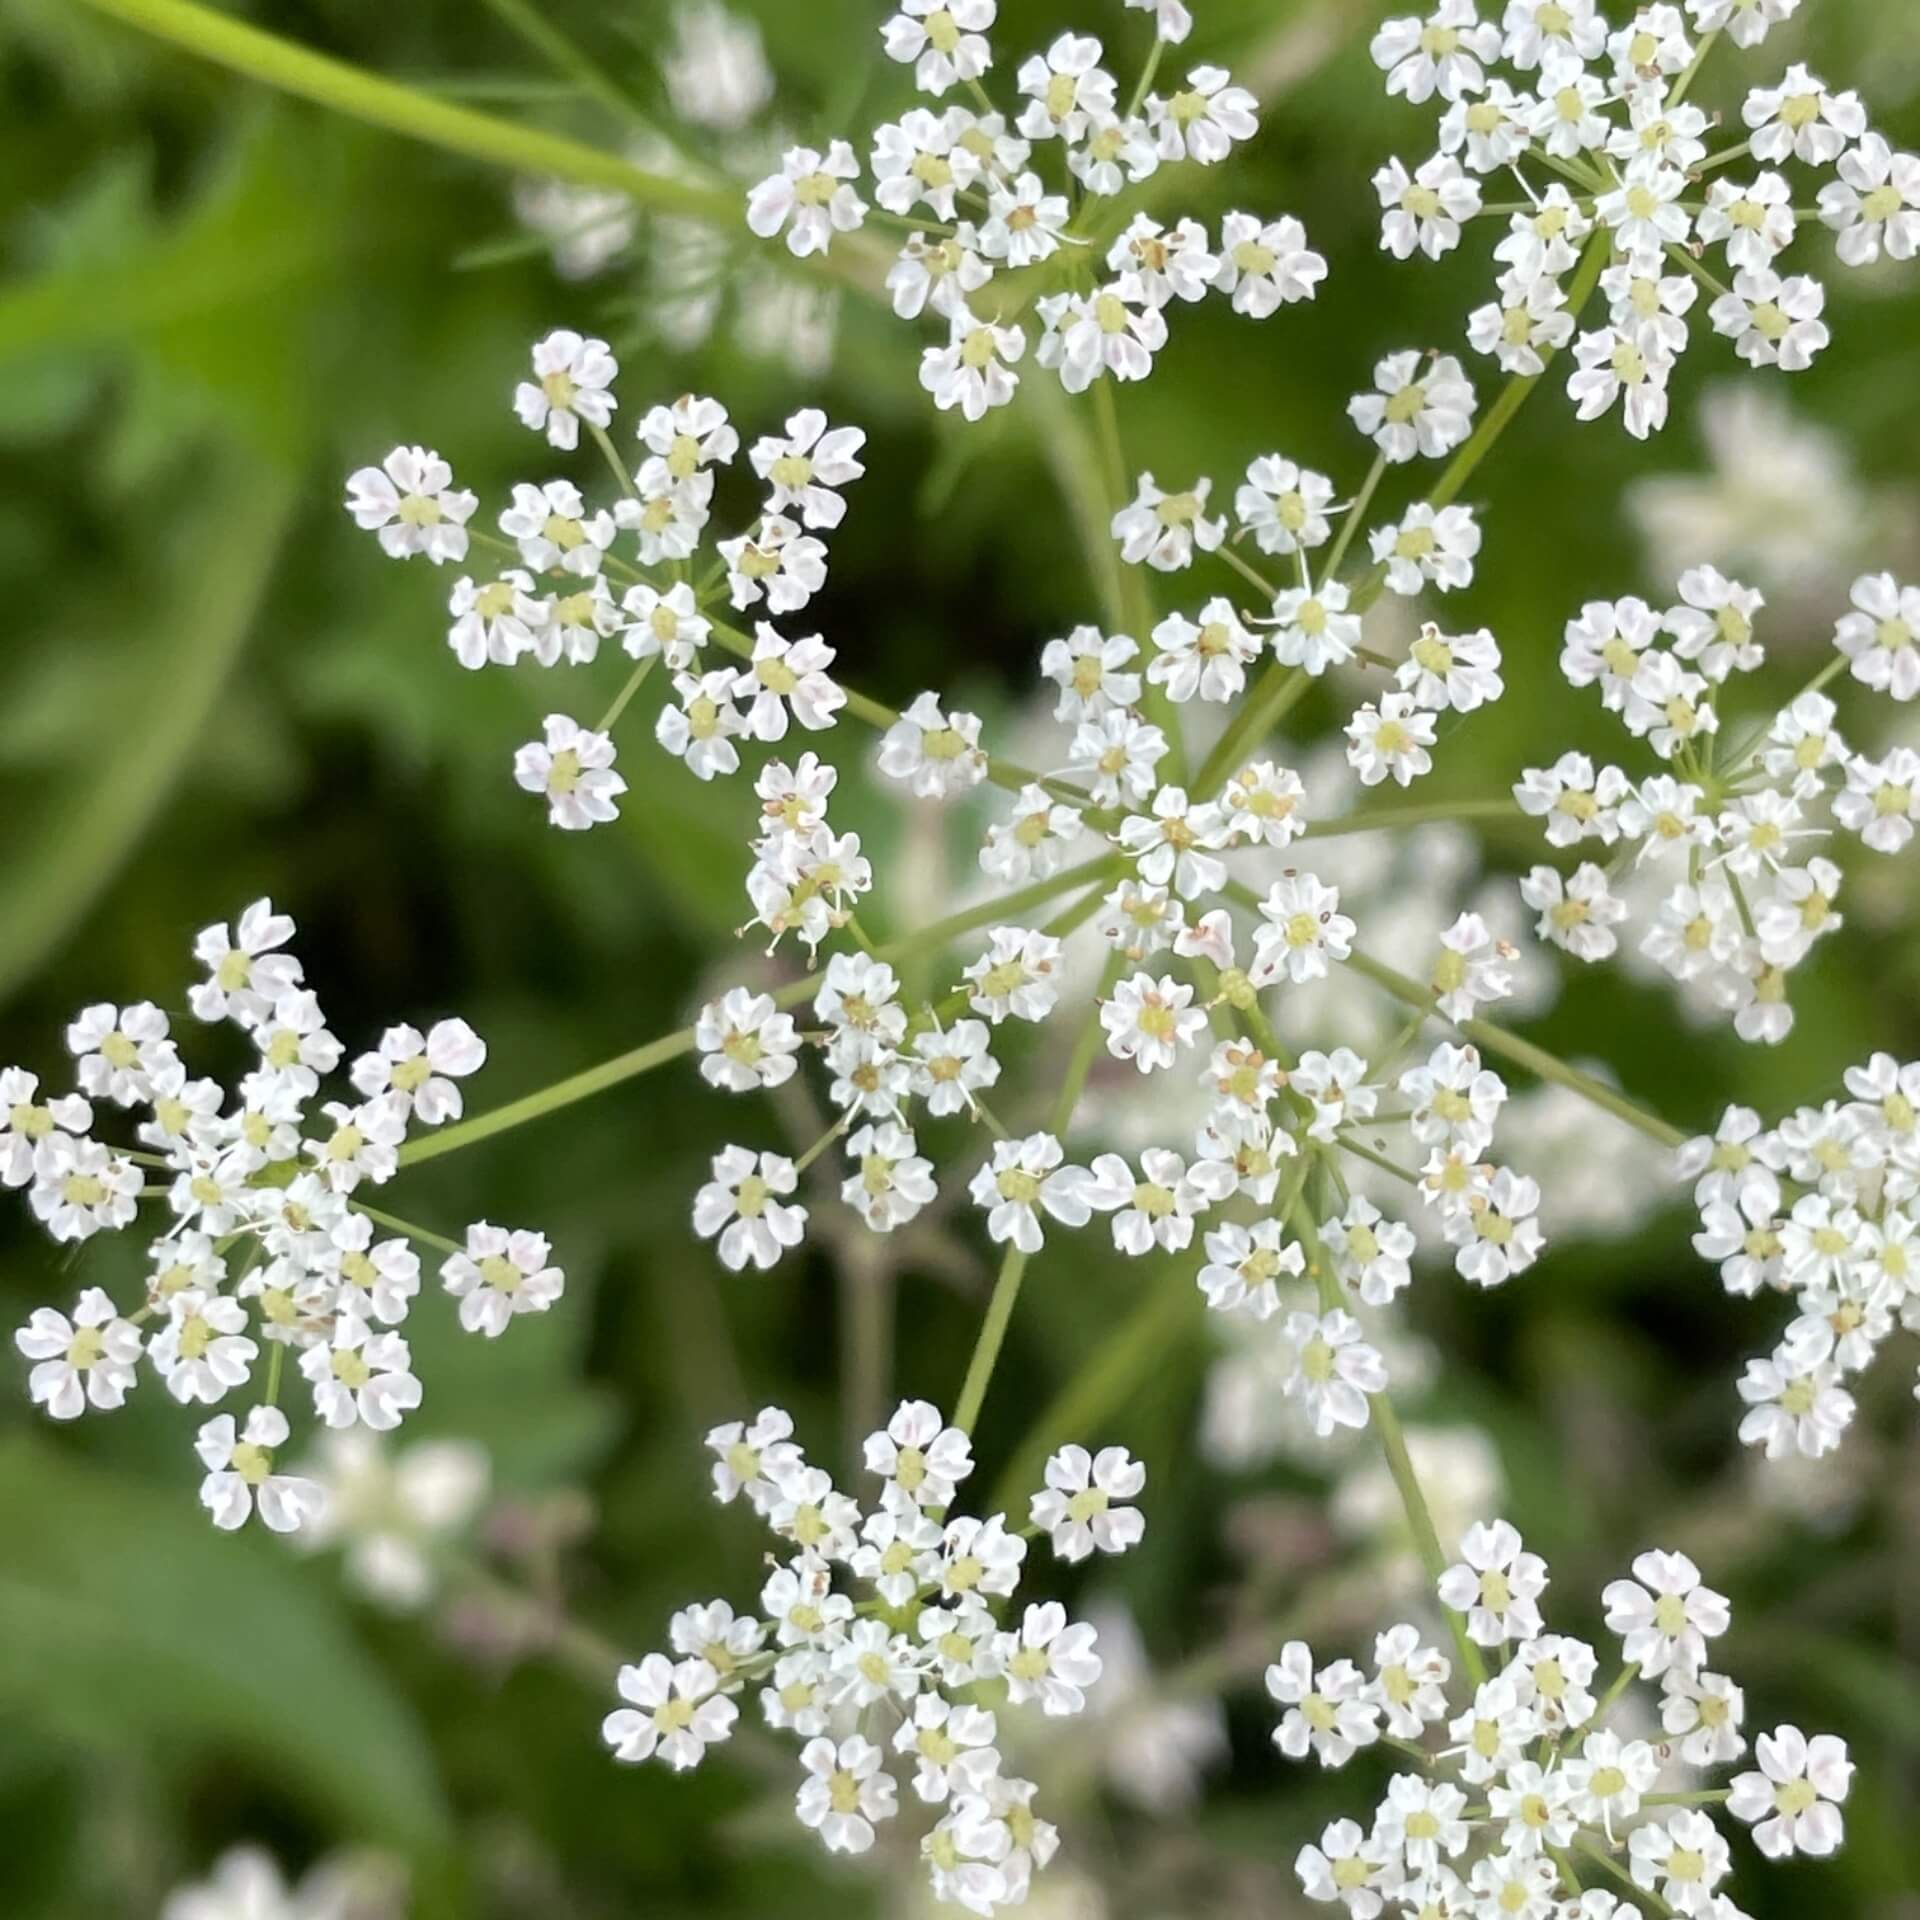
1006	1287
1276	692
671	1046
397	1225
1355	515
626	693
1393	1443
406	110
1385	819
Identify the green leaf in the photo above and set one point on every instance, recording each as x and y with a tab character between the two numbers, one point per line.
123	1613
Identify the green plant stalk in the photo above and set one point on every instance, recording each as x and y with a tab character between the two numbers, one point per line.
1386	819
1393	1443
672	1046
406	110
1006	1286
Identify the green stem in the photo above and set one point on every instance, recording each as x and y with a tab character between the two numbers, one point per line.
1386	819
1355	516
566	58
405	110
1006	1287
1278	690
672	1046
393	1222
611	454
1393	1444
1536	1059
634	681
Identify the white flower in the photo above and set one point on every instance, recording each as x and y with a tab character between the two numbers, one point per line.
1334	1370
1202	120
1421	404
1704	1712
669	624
1667	1621
1474	966
240	1475
745	1205
1390	740
1115	330
1800	118
935	752
1423	210
1327	1712
572	376
1114	155
1283	505
1441	54
375	1281
1017	977
1333	1085
745	1042
846	1792
1793	1802
1025	222
119	1050
974	370
1745	21
246	973
1370	1254
919	161
944	39
1645	210
1570	119
1683	1858
1541	244
921	1459
554	531
1793	1409
1158	1209
1206	660
1881	636
1118	751
80	1188
88	1360
421	1068
1773	322
776	561
749	1457
677	1712
1609	1777
1409	1688
1049	1660
1064	90
1497	1584
784	675
1162	529
1034	843
573	768
359	1375
1754	222
1525	325
1022	1176
411	502
807	465
1264	266
950	1064
203	1352
810	197
1874	206
1314	629
1611	366
1577	914
1079	1507
26	1121
500	1274
1461	672
1087	668
952	1747
1495	1232
702	728
1301	928
1427	547
1347	1867
1881	802
1539	31
1244	1267
1263	803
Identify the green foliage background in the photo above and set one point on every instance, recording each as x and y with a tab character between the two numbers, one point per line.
215	304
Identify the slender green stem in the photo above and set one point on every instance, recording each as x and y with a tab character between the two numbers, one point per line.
672	1046
566	58
611	454
1355	516
1247	572
1146	79
406	110
1361	1151
1387	819
1393	1443
634	682
1706	1797
1684	84
394	1223
1006	1287
1598	1717
1273	697
276	1364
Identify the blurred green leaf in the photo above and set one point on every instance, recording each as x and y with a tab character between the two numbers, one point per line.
123	1612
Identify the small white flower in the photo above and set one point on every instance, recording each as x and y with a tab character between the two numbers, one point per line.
572	378
1427	547
1422	211
1203	120
1314	630
1283	505
1793	1802
810	197
1265	265
808	465
421	1069
1496	1584
1881	636
411	502
1017	977
118	1051
1204	660
1083	1502
1793	1408
573	768
360	1375
1704	1712
1066	89
89	1360
1773	322
1049	1660
1577	914
1022	1177
676	1712
745	1205
1328	1712
745	1042
1441	54
921	1459
241	1477
1664	1615
974	370
246	972
554	531
498	1275
1162	530
1390	740
1301	929
1334	1370
1245	1265
935	752
1874	206
1683	1858
703	726
944	40
1421	405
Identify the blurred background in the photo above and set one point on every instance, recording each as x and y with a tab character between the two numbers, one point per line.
216	303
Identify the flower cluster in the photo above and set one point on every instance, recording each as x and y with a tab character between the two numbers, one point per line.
270	1246
1620	184
1820	1208
916	1673
553	604
1724	841
986	194
1532	1785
